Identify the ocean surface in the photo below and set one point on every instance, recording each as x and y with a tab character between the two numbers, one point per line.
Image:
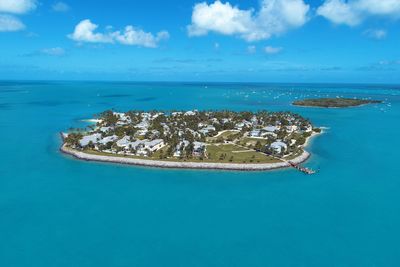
58	211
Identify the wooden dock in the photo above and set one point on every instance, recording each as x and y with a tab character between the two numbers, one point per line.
304	170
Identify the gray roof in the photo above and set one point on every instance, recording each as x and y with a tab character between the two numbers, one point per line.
90	138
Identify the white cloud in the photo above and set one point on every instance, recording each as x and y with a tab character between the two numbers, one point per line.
353	12
274	17
339	12
17	6
132	36
272	50
377	34
85	32
54	51
60	7
10	23
379	7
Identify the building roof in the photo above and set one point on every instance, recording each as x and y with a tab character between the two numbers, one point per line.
107	139
90	138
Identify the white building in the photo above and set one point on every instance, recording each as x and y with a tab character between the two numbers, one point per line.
198	148
255	133
124	142
308	129
269	134
278	146
108	139
190	113
291	128
239	126
271	128
94	138
180	147
154	145
207	129
142	125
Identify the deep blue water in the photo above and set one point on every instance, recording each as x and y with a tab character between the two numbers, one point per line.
57	211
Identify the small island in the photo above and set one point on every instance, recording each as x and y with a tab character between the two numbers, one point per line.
194	139
334	102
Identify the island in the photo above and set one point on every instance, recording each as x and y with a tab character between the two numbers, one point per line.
194	139
334	102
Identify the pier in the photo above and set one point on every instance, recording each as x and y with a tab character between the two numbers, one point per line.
304	170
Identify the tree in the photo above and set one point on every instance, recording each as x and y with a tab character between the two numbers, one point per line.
258	146
189	150
73	139
109	117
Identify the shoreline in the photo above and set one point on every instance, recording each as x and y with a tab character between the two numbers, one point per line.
185	165
190	165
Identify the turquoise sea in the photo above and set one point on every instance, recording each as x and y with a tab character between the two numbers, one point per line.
57	211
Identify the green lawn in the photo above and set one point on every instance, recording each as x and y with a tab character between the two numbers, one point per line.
252	141
215	153
224	136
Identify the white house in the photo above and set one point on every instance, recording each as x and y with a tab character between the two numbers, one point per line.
291	128
124	142
107	139
278	146
190	113
255	133
181	146
94	138
207	129
142	125
242	124
308	129
122	117
271	128
154	145
198	148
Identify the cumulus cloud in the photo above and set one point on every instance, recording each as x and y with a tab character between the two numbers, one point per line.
339	12
272	50
377	34
274	17
353	12
85	31
133	36
60	7
10	23
17	6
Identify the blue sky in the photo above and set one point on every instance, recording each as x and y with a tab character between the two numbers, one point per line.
261	41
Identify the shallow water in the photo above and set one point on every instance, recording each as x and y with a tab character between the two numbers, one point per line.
57	211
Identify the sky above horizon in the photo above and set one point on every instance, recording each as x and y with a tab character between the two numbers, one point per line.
354	41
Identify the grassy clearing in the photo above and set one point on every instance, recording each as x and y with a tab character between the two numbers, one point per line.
225	135
247	141
223	153
294	155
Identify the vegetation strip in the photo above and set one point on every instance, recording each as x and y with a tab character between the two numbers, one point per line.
334	102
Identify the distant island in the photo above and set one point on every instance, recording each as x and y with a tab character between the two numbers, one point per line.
334	102
194	139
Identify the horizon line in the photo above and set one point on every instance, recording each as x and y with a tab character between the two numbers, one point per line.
202	82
